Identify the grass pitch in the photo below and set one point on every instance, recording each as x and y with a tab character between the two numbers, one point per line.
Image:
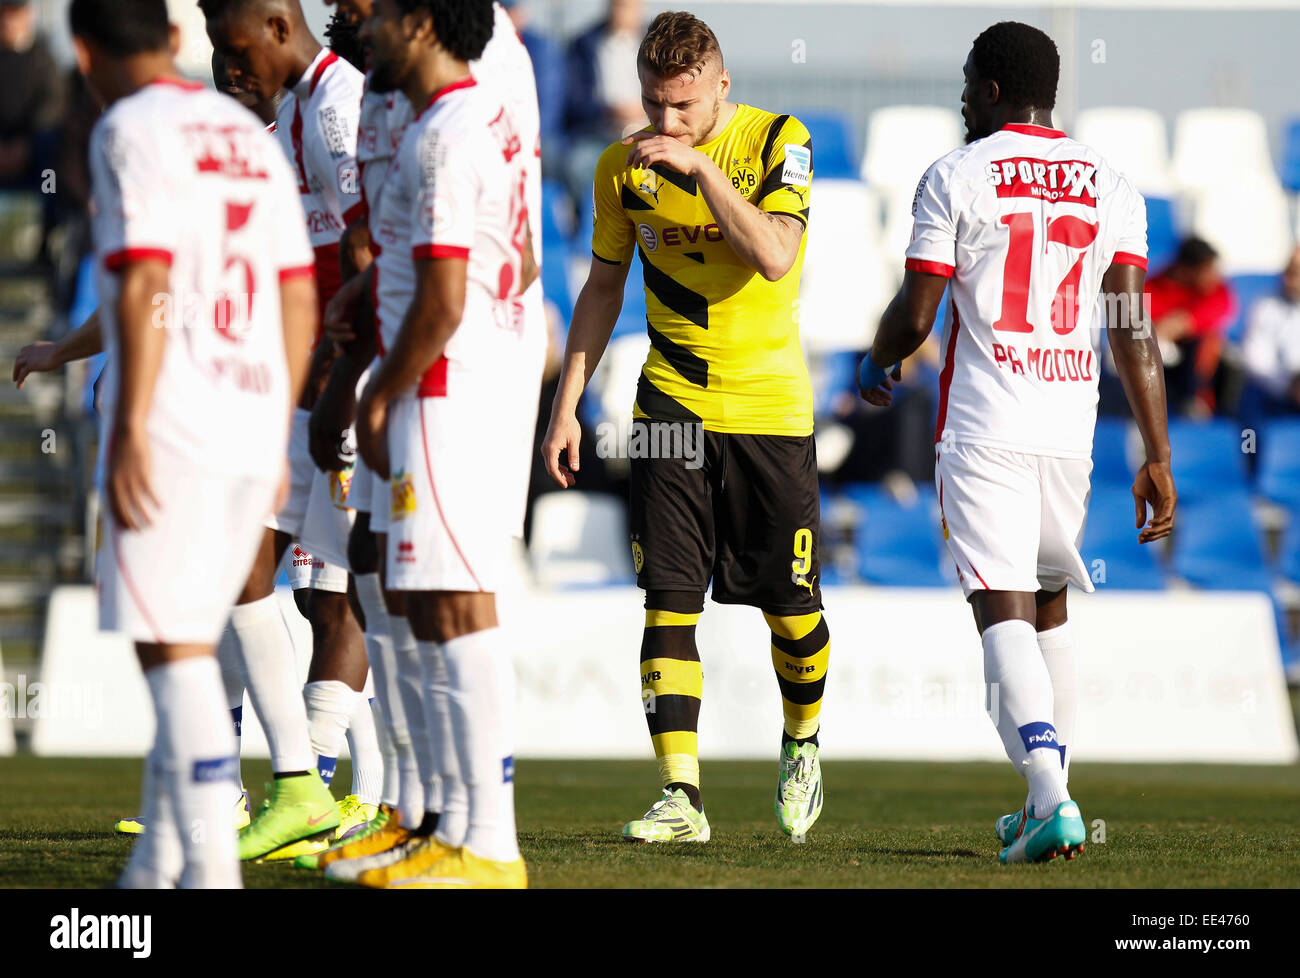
885	824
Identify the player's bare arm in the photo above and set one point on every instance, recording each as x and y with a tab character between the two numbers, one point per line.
41	357
130	495
594	316
767	243
435	313
1137	360
906	323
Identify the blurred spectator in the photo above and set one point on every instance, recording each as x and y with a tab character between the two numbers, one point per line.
1271	351
30	103
72	164
604	92
548	66
1191	306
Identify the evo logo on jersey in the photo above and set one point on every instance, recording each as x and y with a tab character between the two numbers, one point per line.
1037	735
1069	181
1051	366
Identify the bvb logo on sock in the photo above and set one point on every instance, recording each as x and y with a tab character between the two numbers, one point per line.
638	556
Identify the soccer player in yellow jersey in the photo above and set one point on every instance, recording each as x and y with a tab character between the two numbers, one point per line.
713	197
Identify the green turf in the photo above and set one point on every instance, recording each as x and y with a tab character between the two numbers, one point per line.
885	824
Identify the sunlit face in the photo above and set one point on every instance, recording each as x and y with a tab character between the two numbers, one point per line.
222	81
976	103
685	107
17	25
390	37
253	51
354	10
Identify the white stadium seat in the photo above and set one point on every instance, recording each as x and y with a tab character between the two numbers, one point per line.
902	142
844	286
1248	223
579	539
1134	141
1221	147
614	382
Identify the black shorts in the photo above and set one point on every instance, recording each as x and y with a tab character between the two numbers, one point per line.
740	510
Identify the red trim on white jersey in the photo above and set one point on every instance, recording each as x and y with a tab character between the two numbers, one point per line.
181	83
421	252
929	267
119	259
945	378
466	82
1031	130
305	271
1128	258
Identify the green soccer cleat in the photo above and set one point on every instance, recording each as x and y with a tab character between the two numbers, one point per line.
297	808
1007	827
799	788
135	826
671	819
1059	834
344	835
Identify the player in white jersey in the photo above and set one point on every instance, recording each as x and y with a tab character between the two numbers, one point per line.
1025	227
193	208
454	257
267	45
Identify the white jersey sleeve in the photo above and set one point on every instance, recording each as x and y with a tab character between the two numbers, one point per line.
448	197
933	247
134	218
291	248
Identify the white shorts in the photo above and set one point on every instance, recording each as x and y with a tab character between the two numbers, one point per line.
301	469
455	502
1013	521
306	570
329	517
176	580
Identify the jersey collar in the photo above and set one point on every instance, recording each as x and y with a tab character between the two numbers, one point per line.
466	82
183	84
306	86
1030	130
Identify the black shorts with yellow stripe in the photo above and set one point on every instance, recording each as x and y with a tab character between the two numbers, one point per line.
742	511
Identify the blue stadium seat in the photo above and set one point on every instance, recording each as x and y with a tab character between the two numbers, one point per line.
1291	157
1288	558
555	279
633	316
1110	537
833	142
1217	545
1208	459
1162	233
1248	289
1279	464
833	374
557	213
899	545
1110	464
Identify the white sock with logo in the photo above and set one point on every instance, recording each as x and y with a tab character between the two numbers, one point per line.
196	755
1020	704
232	678
156	861
330	706
1057	646
363	745
265	650
453	808
482	695
418	767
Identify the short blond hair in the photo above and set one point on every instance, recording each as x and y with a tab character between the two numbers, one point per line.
676	43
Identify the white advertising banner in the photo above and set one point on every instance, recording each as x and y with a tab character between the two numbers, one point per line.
1178	676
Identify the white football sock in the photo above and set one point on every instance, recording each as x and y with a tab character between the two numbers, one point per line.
330	705
388	713
1020	705
1057	646
232	678
390	794
157	860
196	754
482	693
418	767
265	649
363	745
453	801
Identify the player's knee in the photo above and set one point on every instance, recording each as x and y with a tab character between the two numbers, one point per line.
327	610
801	645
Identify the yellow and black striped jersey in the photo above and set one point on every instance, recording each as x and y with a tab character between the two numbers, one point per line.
724	341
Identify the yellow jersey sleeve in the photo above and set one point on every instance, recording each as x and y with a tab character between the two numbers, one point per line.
787	169
613	236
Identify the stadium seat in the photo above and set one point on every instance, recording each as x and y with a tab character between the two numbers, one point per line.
632	317
1210	144
832	140
1208	458
614	383
557	212
555	279
1134	141
832	374
1217	545
900	544
1249	289
1278	477
1248	222
1162	233
1291	157
1110	456
1110	538
844	289
579	539
902	142
1288	557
